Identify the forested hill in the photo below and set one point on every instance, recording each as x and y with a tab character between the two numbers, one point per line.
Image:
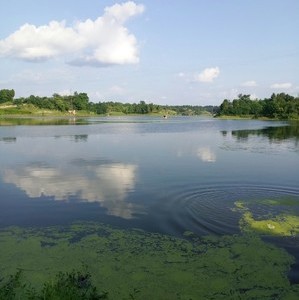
278	106
79	102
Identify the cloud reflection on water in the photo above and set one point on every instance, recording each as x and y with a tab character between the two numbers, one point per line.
106	183
206	154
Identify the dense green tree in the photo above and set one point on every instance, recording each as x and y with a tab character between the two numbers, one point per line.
6	95
80	101
59	103
256	108
279	106
226	108
142	108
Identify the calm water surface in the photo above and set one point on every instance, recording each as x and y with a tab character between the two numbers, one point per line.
161	175
167	176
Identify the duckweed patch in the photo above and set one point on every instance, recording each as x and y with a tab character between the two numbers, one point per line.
133	263
281	202
284	223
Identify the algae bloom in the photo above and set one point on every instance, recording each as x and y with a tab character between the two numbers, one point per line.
280	224
133	264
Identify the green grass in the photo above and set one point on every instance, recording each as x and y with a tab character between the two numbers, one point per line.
31	110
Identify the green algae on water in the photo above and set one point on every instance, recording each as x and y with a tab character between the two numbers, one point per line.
281	224
122	262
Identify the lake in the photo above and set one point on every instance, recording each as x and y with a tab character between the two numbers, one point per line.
177	177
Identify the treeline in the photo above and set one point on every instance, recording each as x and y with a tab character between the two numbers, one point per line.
125	108
189	110
144	108
77	101
6	96
278	106
80	102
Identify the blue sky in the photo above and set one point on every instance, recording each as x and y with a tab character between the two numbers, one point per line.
168	52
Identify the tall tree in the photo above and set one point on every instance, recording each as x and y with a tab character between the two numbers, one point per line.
6	95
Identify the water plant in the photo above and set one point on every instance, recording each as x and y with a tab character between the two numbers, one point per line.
284	223
66	286
132	264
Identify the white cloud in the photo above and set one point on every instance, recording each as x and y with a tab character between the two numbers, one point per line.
250	83
122	12
285	85
41	43
207	75
101	42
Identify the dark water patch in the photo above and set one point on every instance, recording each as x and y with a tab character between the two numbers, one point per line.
293	273
273	133
8	140
290	244
271	139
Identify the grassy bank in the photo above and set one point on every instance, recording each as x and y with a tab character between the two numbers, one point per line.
30	110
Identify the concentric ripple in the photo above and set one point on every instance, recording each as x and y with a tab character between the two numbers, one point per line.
209	209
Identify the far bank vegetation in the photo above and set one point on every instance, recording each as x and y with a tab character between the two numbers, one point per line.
278	106
80	103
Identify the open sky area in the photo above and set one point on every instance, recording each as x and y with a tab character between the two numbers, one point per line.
196	52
